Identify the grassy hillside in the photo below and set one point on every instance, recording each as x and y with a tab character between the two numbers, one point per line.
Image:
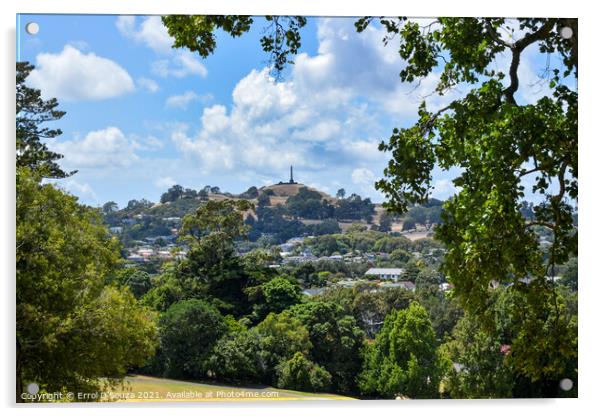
144	388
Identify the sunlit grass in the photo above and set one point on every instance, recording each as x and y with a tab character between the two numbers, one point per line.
144	388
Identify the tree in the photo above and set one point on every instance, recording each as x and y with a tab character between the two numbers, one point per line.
403	361
281	337
110	207
280	293
67	332
32	112
336	340
480	370
237	357
250	193
138	281
212	269
188	330
309	204
282	36
354	208
498	141
341	193
263	200
444	311
216	217
300	373
173	194
385	223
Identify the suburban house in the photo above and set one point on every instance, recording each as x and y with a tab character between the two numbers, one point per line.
385	273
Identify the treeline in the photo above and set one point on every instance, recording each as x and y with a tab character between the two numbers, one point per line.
178	192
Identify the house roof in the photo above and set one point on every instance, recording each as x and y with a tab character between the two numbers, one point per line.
384	270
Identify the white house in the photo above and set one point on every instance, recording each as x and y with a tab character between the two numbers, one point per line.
385	273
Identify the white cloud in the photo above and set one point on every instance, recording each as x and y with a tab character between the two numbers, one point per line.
443	189
73	76
180	65
81	190
364	180
183	100
148	84
165	182
353	64
151	32
257	132
363	176
151	143
104	148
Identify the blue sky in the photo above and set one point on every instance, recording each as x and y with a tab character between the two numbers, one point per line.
142	116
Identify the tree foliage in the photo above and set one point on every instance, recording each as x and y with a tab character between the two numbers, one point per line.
72	329
300	373
197	33
189	329
480	367
32	113
499	142
336	340
403	361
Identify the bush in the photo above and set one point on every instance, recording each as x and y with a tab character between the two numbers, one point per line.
336	340
188	331
299	373
280	293
282	337
404	359
237	357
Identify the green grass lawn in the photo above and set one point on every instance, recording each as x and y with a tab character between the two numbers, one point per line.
144	388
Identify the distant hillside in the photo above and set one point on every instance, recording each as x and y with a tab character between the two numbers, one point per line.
282	211
285	190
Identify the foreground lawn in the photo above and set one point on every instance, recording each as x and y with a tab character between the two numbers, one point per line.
144	388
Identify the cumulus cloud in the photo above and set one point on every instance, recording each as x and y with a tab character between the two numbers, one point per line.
363	176
364	180
180	65
165	182
81	190
182	101
270	126
71	75
104	148
151	32
317	119
148	84
355	64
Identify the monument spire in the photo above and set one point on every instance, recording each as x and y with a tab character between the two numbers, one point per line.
291	181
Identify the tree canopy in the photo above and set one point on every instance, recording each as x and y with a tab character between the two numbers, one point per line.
67	334
32	112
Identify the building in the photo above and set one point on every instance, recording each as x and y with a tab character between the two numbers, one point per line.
385	273
314	291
